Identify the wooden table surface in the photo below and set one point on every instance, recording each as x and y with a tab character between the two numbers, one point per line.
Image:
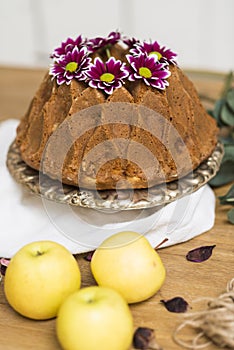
185	279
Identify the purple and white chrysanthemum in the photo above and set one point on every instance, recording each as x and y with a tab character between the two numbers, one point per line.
99	42
164	54
108	75
71	65
130	42
149	70
68	46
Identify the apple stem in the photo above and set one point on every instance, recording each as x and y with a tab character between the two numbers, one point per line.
161	243
39	253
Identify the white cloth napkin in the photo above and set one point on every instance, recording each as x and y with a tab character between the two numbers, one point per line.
25	217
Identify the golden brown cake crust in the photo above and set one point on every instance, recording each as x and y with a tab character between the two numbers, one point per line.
135	138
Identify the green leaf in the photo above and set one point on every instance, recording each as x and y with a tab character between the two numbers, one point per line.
217	109
228	152
230	99
227	116
224	176
227	84
230	216
227	140
210	112
226	171
228	198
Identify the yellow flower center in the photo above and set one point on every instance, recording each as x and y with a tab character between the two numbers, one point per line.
71	66
156	53
107	77
145	72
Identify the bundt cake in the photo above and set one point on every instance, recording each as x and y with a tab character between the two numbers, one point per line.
115	113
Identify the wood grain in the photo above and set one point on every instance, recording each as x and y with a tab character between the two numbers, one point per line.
186	279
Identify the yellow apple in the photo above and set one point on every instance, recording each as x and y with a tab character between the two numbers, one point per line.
39	277
127	262
95	318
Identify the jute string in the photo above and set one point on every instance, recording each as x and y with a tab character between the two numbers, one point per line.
213	325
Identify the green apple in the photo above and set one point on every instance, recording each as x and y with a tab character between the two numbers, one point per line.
95	318
39	277
127	262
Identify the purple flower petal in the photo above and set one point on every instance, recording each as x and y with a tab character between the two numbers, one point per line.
109	90
164	54
93	84
200	254
68	46
72	65
3	265
107	75
130	42
149	69
89	256
144	339
100	42
176	304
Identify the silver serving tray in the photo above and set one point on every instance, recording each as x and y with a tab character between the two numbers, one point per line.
158	196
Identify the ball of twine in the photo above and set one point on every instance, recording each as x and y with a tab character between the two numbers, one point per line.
214	325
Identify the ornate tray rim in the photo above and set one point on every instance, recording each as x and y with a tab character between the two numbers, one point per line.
156	196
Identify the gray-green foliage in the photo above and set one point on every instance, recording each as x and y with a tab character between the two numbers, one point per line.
223	112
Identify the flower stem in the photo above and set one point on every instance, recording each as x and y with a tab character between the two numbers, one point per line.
108	52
